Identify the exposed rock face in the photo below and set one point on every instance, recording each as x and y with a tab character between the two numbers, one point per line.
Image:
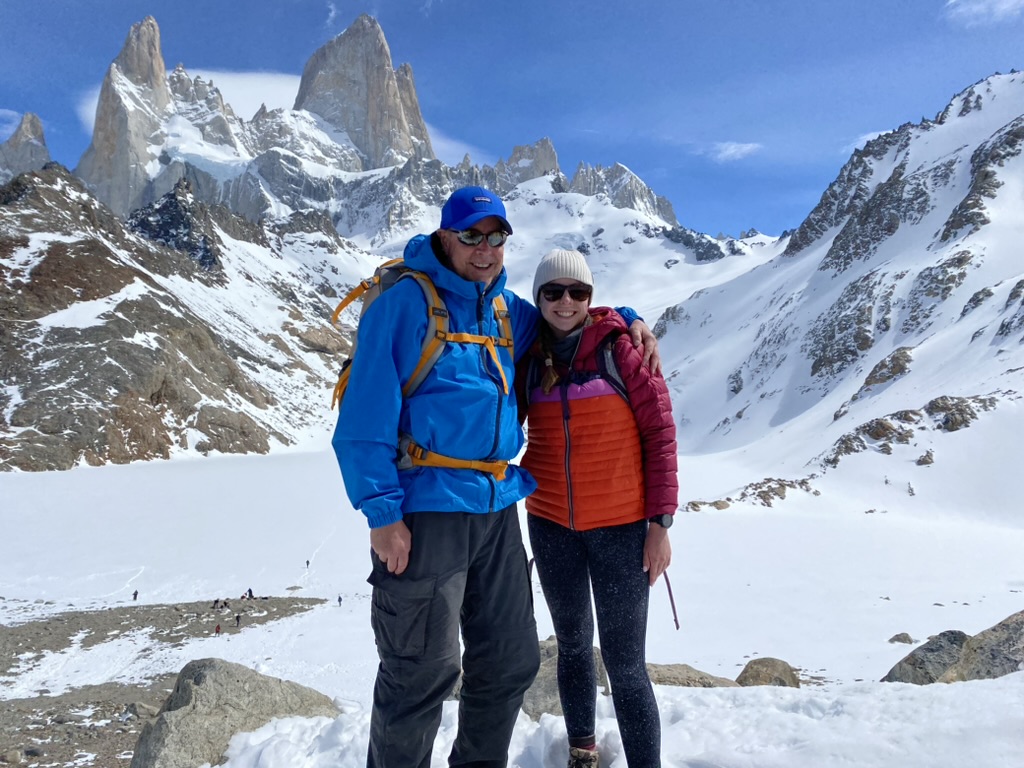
212	701
351	84
116	347
134	99
25	150
623	187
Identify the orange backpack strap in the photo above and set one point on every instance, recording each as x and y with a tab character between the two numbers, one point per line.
437	332
412	455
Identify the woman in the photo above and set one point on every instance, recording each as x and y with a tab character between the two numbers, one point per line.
601	445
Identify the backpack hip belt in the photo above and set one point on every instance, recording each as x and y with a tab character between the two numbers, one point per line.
412	455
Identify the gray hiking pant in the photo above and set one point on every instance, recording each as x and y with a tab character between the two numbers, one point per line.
465	571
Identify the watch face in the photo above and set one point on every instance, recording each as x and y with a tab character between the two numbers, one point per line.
665	521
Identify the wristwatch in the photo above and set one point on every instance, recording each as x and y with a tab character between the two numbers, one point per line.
665	521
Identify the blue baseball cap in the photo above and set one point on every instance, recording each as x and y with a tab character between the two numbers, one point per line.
469	205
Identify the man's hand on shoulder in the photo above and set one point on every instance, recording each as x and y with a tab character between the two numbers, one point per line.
392	544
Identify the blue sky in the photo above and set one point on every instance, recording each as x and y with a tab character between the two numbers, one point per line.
740	112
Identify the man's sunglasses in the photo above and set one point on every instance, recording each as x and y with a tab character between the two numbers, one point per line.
475	237
555	292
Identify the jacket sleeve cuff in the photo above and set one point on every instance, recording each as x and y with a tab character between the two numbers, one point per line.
628	314
378	519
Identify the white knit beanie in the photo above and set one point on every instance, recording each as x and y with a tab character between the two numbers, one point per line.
559	264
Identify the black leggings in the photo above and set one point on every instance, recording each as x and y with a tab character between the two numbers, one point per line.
610	560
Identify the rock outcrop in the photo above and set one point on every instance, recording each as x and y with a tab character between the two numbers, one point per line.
25	150
953	656
213	700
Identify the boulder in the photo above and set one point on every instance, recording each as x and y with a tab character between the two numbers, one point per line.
542	696
997	651
686	676
213	700
927	663
768	671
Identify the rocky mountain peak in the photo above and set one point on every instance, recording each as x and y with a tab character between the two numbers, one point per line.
350	83
25	150
623	187
133	102
142	63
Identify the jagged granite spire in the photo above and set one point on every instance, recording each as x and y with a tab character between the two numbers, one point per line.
25	150
133	99
351	84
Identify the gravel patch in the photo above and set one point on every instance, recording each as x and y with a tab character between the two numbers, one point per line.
99	725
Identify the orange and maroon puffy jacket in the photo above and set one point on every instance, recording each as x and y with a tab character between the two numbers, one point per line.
598	460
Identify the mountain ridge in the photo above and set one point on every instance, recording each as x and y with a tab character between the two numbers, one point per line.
840	330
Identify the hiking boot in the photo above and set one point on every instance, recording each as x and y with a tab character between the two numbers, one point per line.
582	758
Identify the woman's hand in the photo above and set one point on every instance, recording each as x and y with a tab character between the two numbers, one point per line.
657	552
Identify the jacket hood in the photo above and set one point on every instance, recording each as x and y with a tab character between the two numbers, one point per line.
420	255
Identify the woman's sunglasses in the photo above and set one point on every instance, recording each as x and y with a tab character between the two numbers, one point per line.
555	292
475	237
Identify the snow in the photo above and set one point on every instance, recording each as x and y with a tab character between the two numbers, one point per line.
815	581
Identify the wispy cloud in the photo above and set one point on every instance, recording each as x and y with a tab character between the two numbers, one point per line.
860	141
9	120
450	150
977	12
246	91
332	14
85	108
730	151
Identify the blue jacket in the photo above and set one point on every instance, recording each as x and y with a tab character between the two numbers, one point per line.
460	409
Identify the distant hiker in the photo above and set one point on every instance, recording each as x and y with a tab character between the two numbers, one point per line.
307	563
238	619
249	593
216	604
457	499
216	630
339	599
603	450
224	604
135	595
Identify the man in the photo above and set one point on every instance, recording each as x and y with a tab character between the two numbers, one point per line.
431	473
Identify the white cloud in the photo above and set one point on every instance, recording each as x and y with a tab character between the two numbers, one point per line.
450	151
728	151
9	120
246	91
977	12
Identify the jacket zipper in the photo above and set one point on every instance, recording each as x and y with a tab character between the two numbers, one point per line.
564	389
480	316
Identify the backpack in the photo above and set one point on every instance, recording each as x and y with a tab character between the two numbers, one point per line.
437	335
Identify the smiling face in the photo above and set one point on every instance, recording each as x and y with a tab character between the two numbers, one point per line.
565	314
478	263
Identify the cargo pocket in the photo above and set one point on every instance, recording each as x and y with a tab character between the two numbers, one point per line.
400	612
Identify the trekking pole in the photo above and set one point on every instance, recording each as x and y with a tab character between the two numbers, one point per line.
671	600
